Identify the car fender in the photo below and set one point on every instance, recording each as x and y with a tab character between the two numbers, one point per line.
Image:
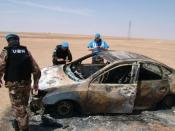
55	97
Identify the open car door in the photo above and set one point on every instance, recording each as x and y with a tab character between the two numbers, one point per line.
114	90
153	86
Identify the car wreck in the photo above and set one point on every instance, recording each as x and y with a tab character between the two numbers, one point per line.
124	82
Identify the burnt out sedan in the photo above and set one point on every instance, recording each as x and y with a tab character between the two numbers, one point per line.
124	82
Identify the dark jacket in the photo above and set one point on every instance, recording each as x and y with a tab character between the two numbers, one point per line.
60	53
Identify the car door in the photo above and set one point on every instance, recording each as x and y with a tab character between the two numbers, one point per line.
152	85
113	91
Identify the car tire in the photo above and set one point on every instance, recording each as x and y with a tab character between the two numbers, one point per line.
36	105
167	102
65	109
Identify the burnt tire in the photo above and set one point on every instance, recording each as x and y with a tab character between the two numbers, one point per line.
167	102
36	105
65	109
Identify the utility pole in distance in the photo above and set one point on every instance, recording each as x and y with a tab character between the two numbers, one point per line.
129	29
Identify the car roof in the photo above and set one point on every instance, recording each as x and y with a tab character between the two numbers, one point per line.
113	56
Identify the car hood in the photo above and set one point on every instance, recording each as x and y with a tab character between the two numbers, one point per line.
53	77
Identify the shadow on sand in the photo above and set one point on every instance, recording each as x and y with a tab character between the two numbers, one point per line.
48	125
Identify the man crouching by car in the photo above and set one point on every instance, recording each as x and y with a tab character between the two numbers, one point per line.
61	54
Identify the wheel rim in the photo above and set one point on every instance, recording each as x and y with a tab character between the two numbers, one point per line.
64	108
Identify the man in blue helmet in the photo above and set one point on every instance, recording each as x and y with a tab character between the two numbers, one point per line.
96	46
61	54
17	65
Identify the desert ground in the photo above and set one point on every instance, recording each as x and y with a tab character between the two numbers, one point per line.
41	45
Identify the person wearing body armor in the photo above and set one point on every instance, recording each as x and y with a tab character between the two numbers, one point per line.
61	54
96	46
17	65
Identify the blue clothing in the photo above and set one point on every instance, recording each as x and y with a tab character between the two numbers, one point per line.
94	44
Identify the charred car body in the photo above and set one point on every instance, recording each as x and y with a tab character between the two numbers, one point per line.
123	83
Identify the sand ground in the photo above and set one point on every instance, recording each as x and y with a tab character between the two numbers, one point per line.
42	45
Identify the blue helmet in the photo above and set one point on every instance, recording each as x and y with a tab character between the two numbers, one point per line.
65	45
97	35
12	36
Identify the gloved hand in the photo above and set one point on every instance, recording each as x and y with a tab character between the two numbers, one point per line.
1	83
60	59
35	89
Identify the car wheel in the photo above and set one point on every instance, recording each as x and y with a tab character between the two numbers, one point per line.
65	109
36	105
168	102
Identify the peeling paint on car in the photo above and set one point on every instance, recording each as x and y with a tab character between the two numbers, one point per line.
119	100
52	76
172	83
96	97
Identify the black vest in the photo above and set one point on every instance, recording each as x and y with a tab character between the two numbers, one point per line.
18	64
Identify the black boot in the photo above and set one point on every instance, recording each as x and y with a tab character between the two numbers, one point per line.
15	125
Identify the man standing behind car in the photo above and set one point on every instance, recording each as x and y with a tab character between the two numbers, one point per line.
96	46
17	65
61	54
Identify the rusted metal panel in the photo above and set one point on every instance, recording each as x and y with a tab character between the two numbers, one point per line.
75	92
54	97
106	98
151	92
111	98
123	55
52	77
172	83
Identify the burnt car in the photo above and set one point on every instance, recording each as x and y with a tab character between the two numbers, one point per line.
124	82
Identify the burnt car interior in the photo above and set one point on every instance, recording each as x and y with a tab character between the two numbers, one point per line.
149	72
118	75
122	74
84	67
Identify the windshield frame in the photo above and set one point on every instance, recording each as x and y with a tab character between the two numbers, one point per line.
67	68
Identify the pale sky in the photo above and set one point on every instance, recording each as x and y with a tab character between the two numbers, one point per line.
150	18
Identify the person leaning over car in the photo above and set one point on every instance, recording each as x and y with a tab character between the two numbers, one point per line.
61	54
17	65
96	46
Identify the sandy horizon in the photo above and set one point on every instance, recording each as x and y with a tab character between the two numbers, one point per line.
51	35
